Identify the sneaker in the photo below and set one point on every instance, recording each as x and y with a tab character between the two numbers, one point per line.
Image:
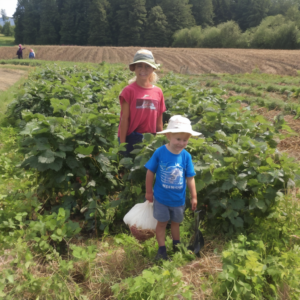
160	256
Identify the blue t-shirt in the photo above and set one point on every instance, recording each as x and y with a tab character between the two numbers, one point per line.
171	173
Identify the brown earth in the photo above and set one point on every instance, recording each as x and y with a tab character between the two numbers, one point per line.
179	60
8	77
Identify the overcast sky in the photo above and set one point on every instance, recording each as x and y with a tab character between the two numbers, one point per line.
9	6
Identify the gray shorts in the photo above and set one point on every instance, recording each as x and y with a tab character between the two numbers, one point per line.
163	213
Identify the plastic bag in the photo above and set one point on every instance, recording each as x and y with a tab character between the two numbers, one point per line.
141	221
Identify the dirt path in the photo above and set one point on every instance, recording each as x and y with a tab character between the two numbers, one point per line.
8	77
178	60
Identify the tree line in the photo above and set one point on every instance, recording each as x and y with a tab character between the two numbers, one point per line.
135	22
6	29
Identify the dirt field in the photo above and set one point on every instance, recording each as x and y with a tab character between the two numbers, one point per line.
179	60
8	77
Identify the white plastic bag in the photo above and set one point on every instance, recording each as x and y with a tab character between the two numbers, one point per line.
141	221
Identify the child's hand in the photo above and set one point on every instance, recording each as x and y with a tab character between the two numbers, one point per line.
149	197
194	203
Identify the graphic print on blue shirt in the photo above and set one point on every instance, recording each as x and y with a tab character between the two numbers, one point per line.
171	172
172	176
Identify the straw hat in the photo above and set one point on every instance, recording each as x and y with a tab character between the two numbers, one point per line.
179	123
143	56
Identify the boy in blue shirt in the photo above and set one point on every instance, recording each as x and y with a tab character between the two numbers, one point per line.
174	170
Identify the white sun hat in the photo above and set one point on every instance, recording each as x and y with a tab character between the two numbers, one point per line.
179	123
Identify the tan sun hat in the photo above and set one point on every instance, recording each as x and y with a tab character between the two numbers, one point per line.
143	56
179	123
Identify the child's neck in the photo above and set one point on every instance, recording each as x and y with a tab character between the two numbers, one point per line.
171	150
144	84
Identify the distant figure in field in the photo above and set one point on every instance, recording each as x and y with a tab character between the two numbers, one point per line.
20	52
31	54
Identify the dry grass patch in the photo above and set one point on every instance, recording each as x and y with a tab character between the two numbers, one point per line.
202	272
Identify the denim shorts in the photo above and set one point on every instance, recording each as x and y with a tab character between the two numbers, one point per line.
163	213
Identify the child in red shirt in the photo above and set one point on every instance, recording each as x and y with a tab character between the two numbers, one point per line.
142	103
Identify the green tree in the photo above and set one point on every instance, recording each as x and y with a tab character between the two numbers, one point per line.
249	13
156	33
7	29
150	4
98	27
179	15
75	24
19	21
282	6
49	23
222	11
275	32
293	14
203	12
31	21
131	19
4	15
112	16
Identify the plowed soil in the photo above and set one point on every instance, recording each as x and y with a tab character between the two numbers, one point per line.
179	60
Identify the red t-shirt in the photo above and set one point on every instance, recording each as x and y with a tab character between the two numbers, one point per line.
145	104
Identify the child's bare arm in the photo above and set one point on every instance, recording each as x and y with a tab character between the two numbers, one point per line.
192	187
124	121
149	186
159	123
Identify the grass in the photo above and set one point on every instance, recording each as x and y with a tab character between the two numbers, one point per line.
7	40
7	96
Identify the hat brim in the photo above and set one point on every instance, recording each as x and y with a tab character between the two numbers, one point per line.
191	132
153	65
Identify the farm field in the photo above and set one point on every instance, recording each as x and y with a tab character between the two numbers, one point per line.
62	201
179	60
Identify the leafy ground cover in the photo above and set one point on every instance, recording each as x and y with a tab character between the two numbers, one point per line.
62	201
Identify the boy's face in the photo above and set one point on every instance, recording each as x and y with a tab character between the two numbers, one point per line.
178	141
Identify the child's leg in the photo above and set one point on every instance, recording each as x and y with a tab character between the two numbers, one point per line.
175	231
161	233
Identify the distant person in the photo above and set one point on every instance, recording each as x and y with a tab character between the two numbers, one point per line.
31	54
142	103
20	52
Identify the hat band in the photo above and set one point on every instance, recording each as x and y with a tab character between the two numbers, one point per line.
151	61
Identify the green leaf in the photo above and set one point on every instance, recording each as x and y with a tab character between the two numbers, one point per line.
261	205
56	165
265	178
126	162
84	150
65	148
229	159
237	222
200	185
242	184
46	157
59	105
72	162
227	185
